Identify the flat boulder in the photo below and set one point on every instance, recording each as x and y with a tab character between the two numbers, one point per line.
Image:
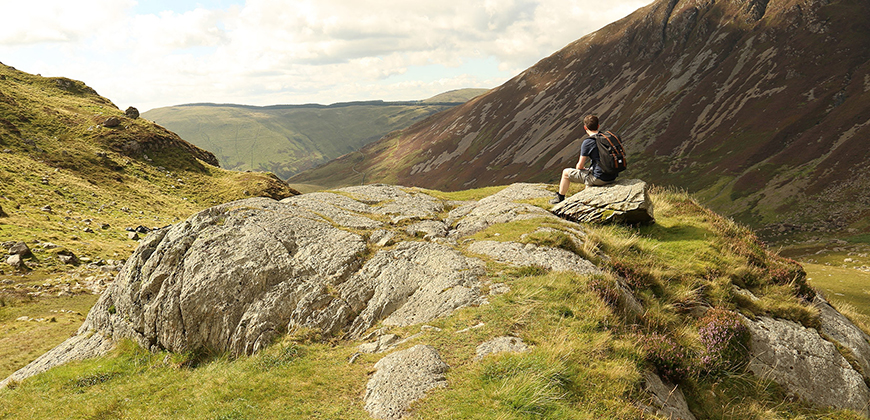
402	378
624	201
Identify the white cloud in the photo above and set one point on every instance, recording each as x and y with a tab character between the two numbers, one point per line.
290	51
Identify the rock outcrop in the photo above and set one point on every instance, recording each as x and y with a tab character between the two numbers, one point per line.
235	276
624	201
805	364
402	378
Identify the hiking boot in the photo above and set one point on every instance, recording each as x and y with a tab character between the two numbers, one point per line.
557	200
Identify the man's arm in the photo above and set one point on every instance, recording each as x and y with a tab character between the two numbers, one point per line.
582	162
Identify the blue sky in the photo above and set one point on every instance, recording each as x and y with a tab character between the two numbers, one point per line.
153	53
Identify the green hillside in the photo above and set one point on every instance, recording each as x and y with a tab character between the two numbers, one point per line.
587	359
71	179
287	139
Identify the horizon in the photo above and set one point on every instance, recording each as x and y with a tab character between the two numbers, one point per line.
158	53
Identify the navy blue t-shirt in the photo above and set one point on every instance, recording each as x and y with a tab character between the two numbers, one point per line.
590	149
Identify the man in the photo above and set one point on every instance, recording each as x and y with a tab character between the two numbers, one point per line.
594	176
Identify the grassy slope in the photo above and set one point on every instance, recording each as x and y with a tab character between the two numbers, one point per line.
287	140
54	152
586	362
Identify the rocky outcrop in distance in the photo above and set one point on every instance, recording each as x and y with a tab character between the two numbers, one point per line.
234	277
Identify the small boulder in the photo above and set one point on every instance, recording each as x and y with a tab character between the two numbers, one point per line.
67	257
132	113
402	378
112	122
16	262
624	201
501	345
20	248
133	236
666	400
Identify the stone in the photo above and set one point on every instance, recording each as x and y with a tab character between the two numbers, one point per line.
497	345
132	113
806	365
383	343
133	236
666	400
20	248
428	229
16	262
67	257
519	255
112	122
402	378
837	327
624	201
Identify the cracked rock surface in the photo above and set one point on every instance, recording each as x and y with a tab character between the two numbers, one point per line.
624	201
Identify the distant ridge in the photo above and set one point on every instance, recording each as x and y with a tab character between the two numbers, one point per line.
285	138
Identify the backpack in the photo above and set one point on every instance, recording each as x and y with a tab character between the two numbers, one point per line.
610	153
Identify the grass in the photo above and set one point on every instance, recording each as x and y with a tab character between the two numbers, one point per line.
24	341
587	355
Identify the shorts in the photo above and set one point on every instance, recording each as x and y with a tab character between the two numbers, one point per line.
585	176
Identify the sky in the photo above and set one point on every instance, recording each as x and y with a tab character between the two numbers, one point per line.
155	53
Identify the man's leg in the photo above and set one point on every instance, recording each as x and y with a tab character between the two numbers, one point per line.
568	175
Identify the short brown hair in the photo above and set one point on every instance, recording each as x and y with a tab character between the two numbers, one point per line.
591	122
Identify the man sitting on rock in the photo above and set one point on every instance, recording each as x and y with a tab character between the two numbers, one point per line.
594	176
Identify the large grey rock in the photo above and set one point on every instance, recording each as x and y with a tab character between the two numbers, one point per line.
805	364
402	378
517	254
234	276
837	327
624	201
230	278
497	345
666	400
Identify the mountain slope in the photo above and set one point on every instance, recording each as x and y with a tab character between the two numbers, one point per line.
287	139
760	107
66	171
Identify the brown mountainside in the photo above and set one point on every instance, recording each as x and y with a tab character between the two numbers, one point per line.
762	108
